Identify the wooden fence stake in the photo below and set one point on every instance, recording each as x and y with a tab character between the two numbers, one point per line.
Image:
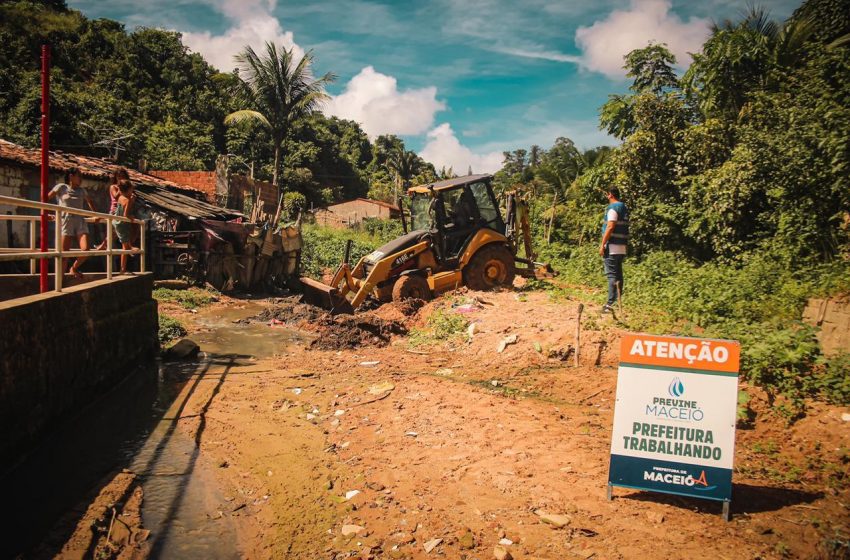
619	299
578	333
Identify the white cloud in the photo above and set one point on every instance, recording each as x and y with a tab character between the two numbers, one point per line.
443	149
374	100
539	53
252	24
606	42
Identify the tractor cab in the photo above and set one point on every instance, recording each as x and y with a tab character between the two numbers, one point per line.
452	211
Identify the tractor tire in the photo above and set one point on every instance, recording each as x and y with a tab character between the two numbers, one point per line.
492	266
411	287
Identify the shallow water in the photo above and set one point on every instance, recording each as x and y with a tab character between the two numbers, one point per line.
220	334
135	426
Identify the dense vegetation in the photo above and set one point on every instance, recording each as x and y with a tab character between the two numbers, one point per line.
738	179
142	95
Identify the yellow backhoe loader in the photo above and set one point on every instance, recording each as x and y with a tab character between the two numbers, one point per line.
457	238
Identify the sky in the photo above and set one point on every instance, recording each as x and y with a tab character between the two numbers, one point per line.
460	80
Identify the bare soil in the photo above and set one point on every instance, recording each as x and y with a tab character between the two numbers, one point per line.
365	446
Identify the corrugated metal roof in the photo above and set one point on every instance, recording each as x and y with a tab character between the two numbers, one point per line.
167	195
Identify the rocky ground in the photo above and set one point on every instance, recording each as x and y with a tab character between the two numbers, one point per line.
374	438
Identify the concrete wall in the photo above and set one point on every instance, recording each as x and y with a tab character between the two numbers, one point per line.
59	350
833	317
353	212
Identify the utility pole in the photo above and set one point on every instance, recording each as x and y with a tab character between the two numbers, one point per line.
45	159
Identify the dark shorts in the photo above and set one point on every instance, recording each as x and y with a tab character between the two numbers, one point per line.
124	231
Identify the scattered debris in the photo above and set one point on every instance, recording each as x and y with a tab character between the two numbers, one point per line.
502	553
411	434
655	517
351	493
350	530
431	545
297	390
845	417
372	363
554	519
506	542
467	308
562	354
508	340
380	388
467	540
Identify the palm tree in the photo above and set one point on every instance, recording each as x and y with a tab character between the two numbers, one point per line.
404	164
741	58
276	90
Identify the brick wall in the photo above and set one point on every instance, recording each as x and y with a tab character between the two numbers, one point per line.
266	193
202	180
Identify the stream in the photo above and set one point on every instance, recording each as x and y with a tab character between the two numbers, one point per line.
135	426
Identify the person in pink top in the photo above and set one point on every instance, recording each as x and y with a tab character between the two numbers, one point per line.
120	174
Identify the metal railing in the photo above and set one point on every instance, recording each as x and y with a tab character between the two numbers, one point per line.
33	254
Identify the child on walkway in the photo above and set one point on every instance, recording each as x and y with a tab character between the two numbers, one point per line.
71	195
124	207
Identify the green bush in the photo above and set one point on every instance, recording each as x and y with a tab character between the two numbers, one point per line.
443	325
324	247
832	380
758	301
169	329
190	298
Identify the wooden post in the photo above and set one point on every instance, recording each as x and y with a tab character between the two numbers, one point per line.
619	299
578	333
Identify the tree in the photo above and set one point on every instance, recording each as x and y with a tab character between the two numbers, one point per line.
651	69
277	90
740	59
404	165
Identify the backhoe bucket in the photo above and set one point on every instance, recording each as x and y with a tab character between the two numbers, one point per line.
324	296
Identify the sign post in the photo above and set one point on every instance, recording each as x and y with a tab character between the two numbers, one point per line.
674	418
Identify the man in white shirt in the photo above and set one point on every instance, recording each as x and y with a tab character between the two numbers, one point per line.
615	236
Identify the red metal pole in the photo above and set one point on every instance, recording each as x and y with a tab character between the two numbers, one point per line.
45	157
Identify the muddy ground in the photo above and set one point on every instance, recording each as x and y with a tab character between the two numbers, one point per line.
358	443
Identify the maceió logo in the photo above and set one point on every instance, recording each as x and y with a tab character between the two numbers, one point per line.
677	388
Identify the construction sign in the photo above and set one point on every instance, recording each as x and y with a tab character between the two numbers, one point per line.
674	418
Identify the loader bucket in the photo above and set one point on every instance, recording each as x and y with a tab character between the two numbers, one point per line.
324	296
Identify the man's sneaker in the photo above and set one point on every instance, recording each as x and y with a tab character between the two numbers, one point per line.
607	308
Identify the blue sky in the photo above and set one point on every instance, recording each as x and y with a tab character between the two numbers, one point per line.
460	81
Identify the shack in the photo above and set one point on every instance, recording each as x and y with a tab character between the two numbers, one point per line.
352	212
189	237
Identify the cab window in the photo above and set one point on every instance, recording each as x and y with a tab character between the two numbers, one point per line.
488	211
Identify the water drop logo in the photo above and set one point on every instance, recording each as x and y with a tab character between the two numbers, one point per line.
676	388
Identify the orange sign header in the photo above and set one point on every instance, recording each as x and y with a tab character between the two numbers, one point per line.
680	352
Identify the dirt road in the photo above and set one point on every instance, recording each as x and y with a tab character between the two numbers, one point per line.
452	447
448	448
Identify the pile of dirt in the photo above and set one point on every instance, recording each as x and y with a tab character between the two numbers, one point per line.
339	332
290	311
353	331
